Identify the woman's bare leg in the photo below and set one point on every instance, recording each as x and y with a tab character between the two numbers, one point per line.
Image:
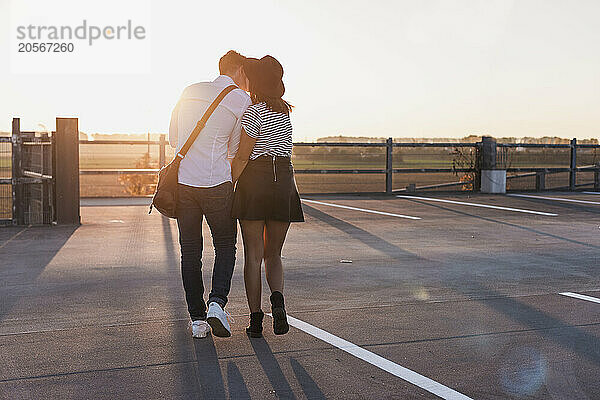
252	233
275	233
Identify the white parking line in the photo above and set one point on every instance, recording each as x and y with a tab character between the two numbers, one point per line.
581	297
480	205
360	209
591	192
401	372
554	198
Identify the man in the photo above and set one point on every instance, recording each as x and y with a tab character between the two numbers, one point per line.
205	189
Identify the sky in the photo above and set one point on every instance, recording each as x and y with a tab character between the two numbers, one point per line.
434	68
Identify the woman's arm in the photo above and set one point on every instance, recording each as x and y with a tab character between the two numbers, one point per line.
242	156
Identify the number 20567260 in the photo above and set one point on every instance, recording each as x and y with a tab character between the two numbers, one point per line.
46	47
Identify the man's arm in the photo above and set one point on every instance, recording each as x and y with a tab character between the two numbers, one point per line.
173	131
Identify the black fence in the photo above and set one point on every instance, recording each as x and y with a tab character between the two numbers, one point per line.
397	167
576	165
26	182
34	203
39	175
6	188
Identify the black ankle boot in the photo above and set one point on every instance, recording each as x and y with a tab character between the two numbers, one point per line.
280	324
254	330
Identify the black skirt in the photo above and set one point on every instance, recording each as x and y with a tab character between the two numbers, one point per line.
267	190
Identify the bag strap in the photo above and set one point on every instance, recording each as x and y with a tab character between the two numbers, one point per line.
200	125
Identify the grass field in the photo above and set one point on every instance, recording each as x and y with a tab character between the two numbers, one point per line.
109	185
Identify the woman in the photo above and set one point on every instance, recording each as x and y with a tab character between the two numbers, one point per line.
266	199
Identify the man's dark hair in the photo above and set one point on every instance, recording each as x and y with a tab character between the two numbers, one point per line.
230	62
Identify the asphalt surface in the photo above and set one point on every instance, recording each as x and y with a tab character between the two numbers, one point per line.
468	297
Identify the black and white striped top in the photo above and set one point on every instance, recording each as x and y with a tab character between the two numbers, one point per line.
272	131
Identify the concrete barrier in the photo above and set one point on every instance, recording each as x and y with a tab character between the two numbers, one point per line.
493	181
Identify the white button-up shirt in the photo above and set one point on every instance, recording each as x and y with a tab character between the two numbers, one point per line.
206	164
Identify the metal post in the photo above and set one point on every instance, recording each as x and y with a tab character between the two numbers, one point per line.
540	181
47	186
53	185
18	216
488	155
597	177
66	173
486	161
389	147
573	168
161	151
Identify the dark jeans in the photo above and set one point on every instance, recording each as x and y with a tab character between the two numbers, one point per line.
192	205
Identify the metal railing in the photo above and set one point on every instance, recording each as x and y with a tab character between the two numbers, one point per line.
39	175
497	160
572	169
36	179
6	188
31	178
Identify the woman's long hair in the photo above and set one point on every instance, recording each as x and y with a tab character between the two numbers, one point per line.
276	104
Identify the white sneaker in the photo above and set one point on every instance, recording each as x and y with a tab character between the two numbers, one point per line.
217	319
200	329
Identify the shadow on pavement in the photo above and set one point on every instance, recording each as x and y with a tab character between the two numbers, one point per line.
508	224
210	379
272	369
171	254
578	207
25	257
568	337
373	241
309	386
235	383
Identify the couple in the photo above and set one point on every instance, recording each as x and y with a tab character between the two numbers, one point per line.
248	140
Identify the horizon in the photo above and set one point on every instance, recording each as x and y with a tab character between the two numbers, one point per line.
442	69
468	138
